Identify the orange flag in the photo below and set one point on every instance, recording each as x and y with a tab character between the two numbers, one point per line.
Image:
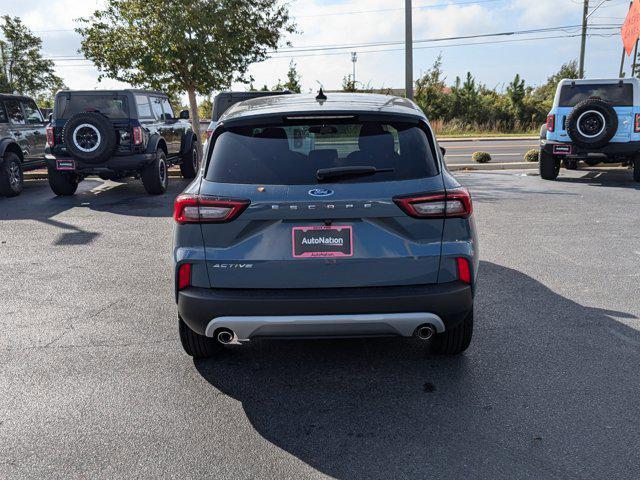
631	27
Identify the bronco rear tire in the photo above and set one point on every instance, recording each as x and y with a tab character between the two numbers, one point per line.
636	168
155	175
454	341
190	162
11	176
63	184
592	123
197	346
549	166
90	137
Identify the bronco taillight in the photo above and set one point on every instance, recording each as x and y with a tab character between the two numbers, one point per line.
137	135
190	208
454	203
551	123
51	138
636	124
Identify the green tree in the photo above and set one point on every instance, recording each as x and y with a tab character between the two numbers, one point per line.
348	84
22	67
195	47
430	92
293	79
545	93
206	107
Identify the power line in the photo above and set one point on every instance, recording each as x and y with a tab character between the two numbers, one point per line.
321	48
491	42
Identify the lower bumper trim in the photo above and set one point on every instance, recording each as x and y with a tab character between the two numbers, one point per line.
402	324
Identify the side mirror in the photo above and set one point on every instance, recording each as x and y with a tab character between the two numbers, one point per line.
184	114
443	150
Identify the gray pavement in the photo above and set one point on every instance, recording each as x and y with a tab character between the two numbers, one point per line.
94	383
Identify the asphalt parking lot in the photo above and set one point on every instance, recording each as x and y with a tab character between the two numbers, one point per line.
94	383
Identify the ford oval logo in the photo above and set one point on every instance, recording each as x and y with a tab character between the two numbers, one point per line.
320	192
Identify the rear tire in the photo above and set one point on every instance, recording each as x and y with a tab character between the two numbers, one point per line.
155	175
549	166
454	341
63	184
190	163
197	346
11	176
636	169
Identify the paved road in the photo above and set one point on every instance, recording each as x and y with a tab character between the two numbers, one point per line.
501	151
93	382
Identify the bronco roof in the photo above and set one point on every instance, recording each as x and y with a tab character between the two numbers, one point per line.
336	103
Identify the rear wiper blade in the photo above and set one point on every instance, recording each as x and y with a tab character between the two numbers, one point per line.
339	172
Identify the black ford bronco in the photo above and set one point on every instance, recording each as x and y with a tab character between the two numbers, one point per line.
118	134
22	141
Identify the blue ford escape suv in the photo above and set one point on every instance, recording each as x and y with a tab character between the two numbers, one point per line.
318	217
594	121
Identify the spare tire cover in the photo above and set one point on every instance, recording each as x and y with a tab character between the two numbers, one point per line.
89	137
592	123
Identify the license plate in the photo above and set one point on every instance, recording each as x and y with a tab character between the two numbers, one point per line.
65	165
322	242
563	149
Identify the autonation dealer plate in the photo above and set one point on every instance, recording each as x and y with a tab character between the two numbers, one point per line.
322	242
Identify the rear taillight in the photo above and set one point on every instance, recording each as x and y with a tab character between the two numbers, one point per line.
452	204
184	276
464	272
636	123
201	209
137	135
51	138
551	123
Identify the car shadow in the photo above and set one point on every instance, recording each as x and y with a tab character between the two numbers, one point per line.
539	394
129	198
619	178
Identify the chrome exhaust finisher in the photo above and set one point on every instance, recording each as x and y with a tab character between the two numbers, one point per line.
425	332
225	336
238	329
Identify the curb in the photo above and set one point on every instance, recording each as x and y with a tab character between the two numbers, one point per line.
485	139
493	166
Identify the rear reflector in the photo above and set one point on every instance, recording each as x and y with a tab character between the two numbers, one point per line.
464	272
636	124
551	123
202	209
184	276
454	203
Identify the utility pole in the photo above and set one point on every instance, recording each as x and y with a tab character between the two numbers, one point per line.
585	14
354	59
408	46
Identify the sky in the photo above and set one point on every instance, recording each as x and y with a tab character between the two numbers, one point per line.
353	23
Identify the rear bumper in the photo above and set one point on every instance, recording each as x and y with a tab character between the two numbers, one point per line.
116	163
325	312
609	151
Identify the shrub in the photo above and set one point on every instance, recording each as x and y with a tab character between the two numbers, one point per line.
481	157
532	155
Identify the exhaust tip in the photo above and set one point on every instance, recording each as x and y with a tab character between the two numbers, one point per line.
425	332
225	336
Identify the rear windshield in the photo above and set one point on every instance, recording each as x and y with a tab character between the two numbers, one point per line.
113	106
292	155
616	95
